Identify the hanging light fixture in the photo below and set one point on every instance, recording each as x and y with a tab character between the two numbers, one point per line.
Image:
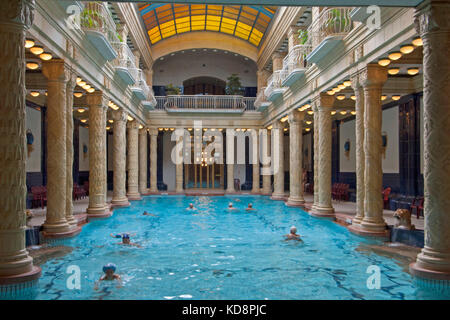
108	127
81	83
36	50
330	92
310	112
395	55
353	112
308	122
343	112
83	120
384	62
46	56
141	126
340	97
413	71
111	121
307	129
406	49
32	65
393	71
417	42
86	87
29	43
341	86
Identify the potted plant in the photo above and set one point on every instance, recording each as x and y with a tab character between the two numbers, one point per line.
234	86
171	90
336	21
303	36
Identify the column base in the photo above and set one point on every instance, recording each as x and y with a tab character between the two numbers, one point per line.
230	191
278	196
360	230
295	202
322	212
120	203
57	228
256	191
60	235
104	212
431	265
430	278
134	196
20	286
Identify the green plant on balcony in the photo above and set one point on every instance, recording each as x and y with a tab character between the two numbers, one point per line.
234	86
171	90
92	18
303	36
337	21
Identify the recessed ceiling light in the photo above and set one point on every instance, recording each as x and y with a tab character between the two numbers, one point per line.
417	42
384	62
36	50
46	56
29	43
393	71
32	65
406	49
413	71
396	97
395	55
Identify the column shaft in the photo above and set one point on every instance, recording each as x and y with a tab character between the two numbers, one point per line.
316	157
16	266
133	161
266	153
97	103
69	148
278	160
230	161
143	160
255	162
119	159
295	155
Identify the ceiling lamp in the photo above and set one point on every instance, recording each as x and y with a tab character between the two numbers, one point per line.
86	87
383	97
307	129
330	92
384	62
396	97
141	126
189	129
285	129
333	113
91	90
407	49
84	120
393	71
353	97
347	83
166	129
310	112
78	94
131	119
337	89
34	93
413	71
308	122
343	112
29	43
340	97
111	121
284	119
341	86
160	129
269	127
46	56
36	50
79	79
395	55
108	127
81	83
353	112
32	65
81	110
417	42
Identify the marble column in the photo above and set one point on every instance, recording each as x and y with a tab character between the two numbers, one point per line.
143	161
71	83
133	161
230	161
433	262
119	198
292	35
98	105
277	60
372	79
153	159
255	162
316	155
295	154
360	159
16	265
278	160
179	166
266	152
262	76
324	208
56	224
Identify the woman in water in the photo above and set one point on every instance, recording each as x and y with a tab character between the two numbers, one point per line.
109	270
125	239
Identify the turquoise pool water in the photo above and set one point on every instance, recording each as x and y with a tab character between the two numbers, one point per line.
213	253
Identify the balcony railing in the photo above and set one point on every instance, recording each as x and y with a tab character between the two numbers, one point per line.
124	63
98	23
249	103
140	87
205	103
274	85
261	102
295	64
331	22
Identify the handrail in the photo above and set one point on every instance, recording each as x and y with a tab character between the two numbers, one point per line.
232	102
125	58
273	82
296	59
97	17
260	97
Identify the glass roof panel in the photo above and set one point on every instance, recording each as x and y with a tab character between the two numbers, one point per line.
164	20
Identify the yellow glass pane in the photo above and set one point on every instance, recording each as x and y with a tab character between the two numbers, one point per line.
213	18
241	35
197	18
181	20
244	26
212	28
182	30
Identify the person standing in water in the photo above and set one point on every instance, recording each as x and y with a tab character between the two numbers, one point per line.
109	275
250	207
293	234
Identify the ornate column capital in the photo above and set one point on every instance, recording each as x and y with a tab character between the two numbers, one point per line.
432	16
356	80
119	115
97	99
277	124
17	14
133	125
55	70
143	131
296	117
373	75
153	131
322	101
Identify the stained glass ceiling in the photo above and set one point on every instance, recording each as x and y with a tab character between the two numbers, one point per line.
245	22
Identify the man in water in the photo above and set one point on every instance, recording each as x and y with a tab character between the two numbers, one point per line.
109	270
250	207
293	234
230	206
125	239
149	214
191	207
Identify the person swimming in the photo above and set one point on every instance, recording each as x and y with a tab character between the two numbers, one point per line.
250	207
230	206
109	275
149	214
191	207
293	234
125	239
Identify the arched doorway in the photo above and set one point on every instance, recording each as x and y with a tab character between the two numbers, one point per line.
204	85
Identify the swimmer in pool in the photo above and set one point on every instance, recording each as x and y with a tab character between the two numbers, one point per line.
126	239
149	214
191	207
293	234
109	270
237	200
250	207
230	206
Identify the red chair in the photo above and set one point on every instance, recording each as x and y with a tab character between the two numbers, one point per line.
386	192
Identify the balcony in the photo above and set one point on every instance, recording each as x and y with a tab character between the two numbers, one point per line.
328	31
294	65
124	62
150	102
140	88
205	104
100	28
274	88
261	102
